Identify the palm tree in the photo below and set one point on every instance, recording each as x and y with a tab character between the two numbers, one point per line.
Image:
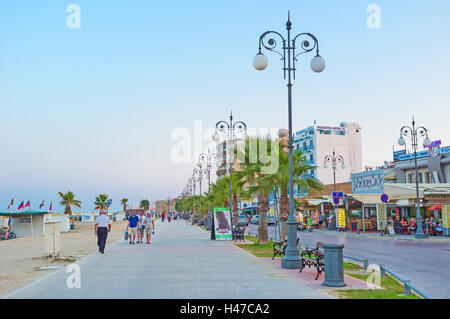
221	191
254	175
124	202
281	180
101	201
68	199
145	204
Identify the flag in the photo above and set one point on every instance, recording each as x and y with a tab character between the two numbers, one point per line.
108	203
27	204
42	205
11	203
51	205
20	206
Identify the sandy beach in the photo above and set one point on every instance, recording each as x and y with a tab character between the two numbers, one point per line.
21	258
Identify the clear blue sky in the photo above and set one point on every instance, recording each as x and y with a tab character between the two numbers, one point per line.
92	110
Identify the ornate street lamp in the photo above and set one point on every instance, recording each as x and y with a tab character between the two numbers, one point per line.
193	181
230	128
309	42
199	172
415	133
208	158
334	160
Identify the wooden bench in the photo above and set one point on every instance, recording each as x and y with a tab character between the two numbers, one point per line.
313	257
279	248
238	232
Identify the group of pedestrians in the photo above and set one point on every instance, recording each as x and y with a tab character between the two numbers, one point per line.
140	225
165	215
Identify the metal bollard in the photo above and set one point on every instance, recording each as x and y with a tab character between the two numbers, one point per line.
382	271
406	287
334	265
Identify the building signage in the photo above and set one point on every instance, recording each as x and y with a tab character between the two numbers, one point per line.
446	219
404	157
381	217
397	154
329	128
384	198
433	148
368	184
341	218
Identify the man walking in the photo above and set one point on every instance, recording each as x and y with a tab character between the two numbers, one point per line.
149	227
101	229
133	222
141	228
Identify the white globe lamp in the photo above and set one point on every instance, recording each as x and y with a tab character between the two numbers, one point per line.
260	62
318	64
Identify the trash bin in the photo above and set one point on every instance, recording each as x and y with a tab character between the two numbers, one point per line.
334	265
331	223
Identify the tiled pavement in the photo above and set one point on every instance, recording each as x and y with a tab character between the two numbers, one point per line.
181	262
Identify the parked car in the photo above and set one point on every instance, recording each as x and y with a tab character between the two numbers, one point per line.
270	220
254	219
243	219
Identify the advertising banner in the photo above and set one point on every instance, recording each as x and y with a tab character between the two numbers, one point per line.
222	224
381	217
341	218
446	219
315	218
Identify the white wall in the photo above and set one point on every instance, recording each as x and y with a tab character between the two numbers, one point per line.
348	146
63	219
24	229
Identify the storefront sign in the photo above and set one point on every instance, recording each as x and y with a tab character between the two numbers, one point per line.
341	218
315	218
404	157
368	182
446	219
222	224
25	220
381	217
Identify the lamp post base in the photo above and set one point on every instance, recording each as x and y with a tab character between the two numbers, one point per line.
420	235
291	262
208	224
291	259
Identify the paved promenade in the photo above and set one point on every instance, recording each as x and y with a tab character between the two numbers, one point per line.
181	262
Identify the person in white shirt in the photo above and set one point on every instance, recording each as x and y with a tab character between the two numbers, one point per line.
149	227
101	229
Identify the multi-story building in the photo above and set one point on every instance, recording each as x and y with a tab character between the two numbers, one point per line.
433	165
317	142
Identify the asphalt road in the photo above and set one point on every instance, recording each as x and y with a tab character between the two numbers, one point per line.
424	263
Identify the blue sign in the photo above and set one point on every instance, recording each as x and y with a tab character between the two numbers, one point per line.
384	198
337	196
404	156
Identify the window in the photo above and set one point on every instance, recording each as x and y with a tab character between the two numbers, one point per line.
311	143
427	177
304	144
420	178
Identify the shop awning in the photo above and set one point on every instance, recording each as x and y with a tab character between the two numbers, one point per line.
435	207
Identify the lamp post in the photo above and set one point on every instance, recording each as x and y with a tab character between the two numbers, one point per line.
309	42
230	128
334	160
415	132
208	159
193	182
198	171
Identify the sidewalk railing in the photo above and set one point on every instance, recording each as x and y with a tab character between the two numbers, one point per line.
407	286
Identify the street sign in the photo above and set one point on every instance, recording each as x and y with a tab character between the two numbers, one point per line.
384	198
337	198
